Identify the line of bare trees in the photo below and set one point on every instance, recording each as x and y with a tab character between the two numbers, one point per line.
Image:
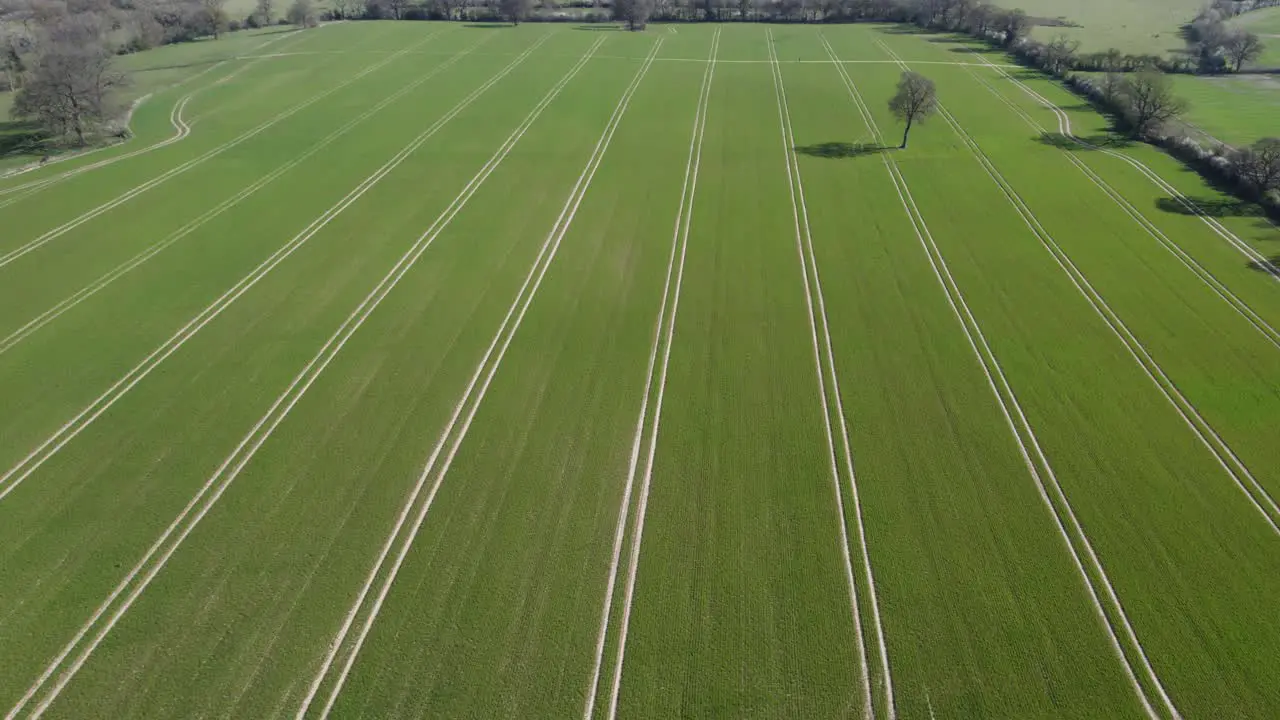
1216	46
1133	88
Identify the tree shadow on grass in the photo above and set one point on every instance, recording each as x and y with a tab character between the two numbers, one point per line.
966	44
488	25
1026	74
1270	267
177	66
282	29
599	28
21	138
1213	207
904	30
839	150
1104	141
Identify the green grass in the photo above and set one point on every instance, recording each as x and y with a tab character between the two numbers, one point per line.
741	603
149	73
1266	20
1266	23
1134	26
1232	109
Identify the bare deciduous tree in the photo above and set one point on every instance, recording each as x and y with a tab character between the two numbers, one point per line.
303	14
1060	53
1241	47
1015	25
345	9
1113	63
1259	164
980	19
916	99
515	10
264	13
634	13
397	7
215	16
1149	101
16	48
71	88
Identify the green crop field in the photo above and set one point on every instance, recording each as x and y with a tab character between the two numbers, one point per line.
444	370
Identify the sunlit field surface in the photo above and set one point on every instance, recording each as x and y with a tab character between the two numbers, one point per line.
436	370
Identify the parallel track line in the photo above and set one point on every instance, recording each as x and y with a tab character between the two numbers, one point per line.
164	177
106	279
503	337
1010	407
182	131
814	297
1064	126
1186	259
1222	452
226	473
664	327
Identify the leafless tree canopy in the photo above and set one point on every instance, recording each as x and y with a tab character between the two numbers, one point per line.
303	14
264	12
1016	26
70	87
1242	47
1150	100
634	13
916	99
1060	53
215	16
1259	165
515	10
347	8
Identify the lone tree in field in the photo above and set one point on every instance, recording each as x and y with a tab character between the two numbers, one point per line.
1149	101
916	100
515	10
303	14
635	13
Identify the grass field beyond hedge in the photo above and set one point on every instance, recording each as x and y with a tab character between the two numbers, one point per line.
421	369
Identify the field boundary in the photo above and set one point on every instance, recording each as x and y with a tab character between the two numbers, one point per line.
182	133
111	276
28	465
1208	278
1064	126
26	190
164	177
509	327
1220	449
235	463
1009	407
664	328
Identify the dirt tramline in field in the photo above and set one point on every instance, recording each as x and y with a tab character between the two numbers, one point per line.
541	372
